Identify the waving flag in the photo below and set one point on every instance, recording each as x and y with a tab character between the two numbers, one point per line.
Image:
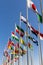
23	19
22	41
30	46
14	36
32	39
37	33
10	47
22	51
10	44
20	31
31	5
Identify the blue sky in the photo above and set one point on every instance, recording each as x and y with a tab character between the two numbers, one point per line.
9	15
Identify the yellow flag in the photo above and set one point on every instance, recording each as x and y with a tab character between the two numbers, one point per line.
22	41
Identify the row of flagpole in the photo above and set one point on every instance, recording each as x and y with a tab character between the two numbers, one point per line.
39	49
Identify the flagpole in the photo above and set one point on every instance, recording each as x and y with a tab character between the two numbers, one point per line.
40	51
20	26
31	57
27	31
19	43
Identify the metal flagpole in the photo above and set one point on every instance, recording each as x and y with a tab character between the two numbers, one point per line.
19	43
31	52
20	26
27	31
40	51
31	57
27	41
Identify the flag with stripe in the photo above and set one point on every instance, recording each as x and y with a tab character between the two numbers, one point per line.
20	31
32	39
10	44
14	36
37	33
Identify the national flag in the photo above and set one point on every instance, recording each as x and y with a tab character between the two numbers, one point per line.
23	19
37	33
30	46
10	44
31	5
22	41
34	41
20	31
39	18
11	47
15	37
